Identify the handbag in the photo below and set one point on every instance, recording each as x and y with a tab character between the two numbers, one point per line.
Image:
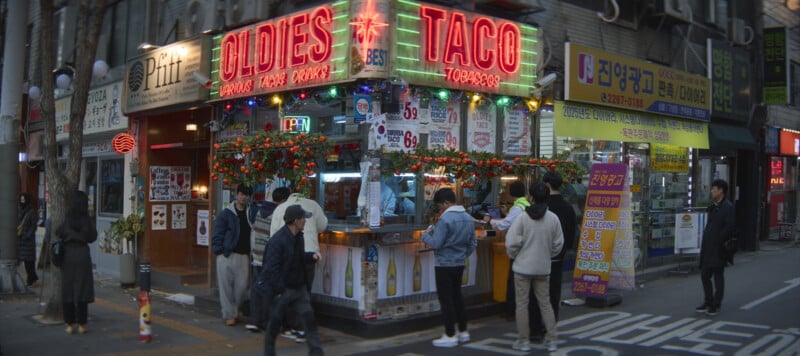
57	253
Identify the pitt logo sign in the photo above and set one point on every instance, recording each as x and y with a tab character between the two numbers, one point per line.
293	51
465	50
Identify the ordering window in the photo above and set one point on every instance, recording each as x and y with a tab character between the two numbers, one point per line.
111	186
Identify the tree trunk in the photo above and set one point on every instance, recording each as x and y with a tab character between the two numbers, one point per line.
61	182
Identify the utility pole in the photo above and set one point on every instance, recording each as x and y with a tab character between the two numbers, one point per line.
10	111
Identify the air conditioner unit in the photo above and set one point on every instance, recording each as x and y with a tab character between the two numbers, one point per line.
238	12
200	16
678	9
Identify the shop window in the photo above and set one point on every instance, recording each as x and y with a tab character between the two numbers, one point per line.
111	186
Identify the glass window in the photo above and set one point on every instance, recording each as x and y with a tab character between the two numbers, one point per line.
111	186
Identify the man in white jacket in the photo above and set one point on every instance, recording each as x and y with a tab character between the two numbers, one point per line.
531	241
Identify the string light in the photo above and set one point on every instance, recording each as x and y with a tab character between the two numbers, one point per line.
476	97
443	94
276	99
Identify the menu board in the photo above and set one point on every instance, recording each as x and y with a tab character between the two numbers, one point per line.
170	183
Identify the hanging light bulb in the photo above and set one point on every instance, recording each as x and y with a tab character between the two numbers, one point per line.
276	99
100	68
443	94
63	81
34	92
476	97
333	92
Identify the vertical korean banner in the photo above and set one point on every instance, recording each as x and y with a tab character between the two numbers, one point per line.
623	272
599	230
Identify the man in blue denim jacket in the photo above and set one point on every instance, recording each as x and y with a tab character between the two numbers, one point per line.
453	241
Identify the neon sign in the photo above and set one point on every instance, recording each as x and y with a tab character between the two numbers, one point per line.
465	50
294	51
296	124
776	179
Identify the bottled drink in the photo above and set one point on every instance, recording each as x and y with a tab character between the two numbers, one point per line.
417	273
326	272
348	275
391	275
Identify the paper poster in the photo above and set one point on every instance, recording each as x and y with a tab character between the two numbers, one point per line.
338	274
481	128
516	133
170	183
401	136
689	232
623	272
178	216
158	218
202	227
419	276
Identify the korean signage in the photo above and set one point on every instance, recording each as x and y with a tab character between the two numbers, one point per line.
777	176
445	47
608	79
304	49
666	158
170	183
729	70
588	121
163	77
599	229
102	112
776	66
790	142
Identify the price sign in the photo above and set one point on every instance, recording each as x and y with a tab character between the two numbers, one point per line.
411	111
401	136
443	136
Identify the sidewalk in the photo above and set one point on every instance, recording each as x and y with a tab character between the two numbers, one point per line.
197	329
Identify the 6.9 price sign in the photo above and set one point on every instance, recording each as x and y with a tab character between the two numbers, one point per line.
401	137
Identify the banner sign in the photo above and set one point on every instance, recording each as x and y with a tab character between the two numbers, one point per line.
776	66
443	124
369	44
304	49
689	232
667	158
604	78
452	48
601	123
623	272
790	142
604	202
103	112
729	70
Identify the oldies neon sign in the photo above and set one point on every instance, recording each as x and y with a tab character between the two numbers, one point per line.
466	50
291	51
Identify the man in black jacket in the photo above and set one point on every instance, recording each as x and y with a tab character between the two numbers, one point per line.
283	279
566	216
719	228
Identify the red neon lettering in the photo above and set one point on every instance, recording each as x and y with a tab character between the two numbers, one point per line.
246	68
265	40
508	46
456	44
299	39
227	64
283	28
482	29
432	19
321	51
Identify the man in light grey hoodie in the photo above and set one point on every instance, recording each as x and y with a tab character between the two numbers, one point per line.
531	241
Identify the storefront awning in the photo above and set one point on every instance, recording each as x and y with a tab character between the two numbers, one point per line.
721	136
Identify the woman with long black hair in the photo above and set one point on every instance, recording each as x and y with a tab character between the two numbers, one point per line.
26	237
77	282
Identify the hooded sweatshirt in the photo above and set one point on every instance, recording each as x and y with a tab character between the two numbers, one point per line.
533	239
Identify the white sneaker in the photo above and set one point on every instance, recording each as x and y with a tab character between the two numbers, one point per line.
446	341
463	336
521	345
551	346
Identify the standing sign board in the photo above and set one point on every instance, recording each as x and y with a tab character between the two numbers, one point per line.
604	200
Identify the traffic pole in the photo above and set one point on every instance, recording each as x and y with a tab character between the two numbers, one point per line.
145	331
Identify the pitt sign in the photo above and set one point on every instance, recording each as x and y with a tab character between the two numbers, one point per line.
289	52
439	46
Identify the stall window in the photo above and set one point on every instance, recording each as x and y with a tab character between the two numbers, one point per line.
111	186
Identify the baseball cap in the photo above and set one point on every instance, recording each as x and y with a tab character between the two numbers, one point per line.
295	212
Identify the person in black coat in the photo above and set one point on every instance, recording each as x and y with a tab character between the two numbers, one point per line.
568	220
719	228
77	283
26	236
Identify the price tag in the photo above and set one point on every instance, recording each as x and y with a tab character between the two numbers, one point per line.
401	137
443	136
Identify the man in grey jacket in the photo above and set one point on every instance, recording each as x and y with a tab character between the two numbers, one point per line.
532	240
453	241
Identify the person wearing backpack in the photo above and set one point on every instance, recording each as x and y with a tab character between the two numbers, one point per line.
713	256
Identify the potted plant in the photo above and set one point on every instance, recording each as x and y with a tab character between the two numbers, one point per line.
125	230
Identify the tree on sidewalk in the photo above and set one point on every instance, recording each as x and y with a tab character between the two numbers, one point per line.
61	182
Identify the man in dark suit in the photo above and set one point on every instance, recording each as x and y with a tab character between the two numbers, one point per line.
713	257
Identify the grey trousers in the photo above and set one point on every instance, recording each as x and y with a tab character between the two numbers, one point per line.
233	277
541	289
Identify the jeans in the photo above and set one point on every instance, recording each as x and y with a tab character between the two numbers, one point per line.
541	286
713	297
295	300
448	288
79	308
292	319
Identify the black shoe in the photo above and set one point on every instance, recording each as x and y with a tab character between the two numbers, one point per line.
712	311
702	309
